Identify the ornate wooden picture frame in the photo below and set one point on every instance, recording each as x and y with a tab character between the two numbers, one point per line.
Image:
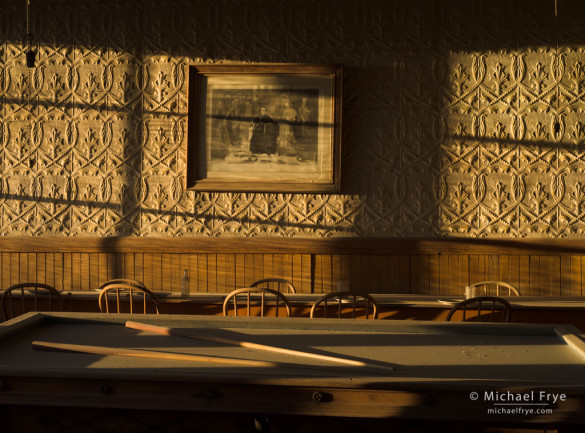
264	128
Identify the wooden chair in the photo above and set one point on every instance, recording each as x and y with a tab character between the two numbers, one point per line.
486	288
24	297
483	309
268	297
123	281
123	291
277	284
344	299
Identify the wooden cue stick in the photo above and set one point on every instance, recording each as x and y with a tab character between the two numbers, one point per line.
249	345
102	350
571	339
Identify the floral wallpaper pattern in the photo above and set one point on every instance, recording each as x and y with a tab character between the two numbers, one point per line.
460	118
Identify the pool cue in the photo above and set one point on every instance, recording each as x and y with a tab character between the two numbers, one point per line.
572	340
136	353
249	345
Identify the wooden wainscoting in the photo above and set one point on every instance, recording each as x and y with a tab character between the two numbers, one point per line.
544	267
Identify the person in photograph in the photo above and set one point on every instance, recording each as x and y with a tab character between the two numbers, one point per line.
303	130
263	134
286	134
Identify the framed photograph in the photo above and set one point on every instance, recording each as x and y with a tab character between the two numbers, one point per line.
264	128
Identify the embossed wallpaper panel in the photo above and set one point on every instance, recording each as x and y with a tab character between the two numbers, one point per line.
461	118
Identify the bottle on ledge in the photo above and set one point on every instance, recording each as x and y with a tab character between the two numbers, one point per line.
185	285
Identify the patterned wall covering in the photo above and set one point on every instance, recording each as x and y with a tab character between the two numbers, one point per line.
461	118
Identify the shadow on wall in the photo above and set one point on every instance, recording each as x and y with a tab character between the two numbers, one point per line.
442	103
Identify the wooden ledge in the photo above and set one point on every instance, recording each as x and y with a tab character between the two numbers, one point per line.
223	245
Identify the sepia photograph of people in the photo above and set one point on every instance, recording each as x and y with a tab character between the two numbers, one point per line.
264	131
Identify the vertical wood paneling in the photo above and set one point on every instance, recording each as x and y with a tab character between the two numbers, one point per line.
75	267
524	278
50	269
169	267
157	266
573	286
287	269
14	271
67	271
32	267
93	275
305	273
393	273
84	267
147	276
435	273
212	273
111	266
555	276
356	272
480	271
535	276
566	283
504	269
221	272
268	266
319	272
463	272
129	265
378	269
474	269
415	279
202	273
367	280
376	265
420	274
248	270
41	271
191	266
277	265
240	261
444	278
403	267
346	270
483	268
6	269
582	264
454	284
514	271
493	265
59	267
230	280
120	265
336	271
542	274
170	272
258	268
383	264
297	272
22	269
139	267
330	273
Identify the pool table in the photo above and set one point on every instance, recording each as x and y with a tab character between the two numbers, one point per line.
441	374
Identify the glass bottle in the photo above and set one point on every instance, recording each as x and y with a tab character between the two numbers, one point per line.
185	285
